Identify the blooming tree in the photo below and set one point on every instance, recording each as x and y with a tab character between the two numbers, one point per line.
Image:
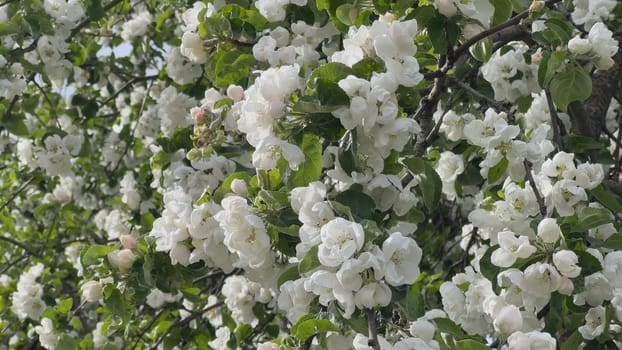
310	174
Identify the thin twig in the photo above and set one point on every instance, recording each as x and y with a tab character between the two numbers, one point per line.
185	321
18	243
20	51
6	2
481	96
16	193
127	85
86	22
147	328
12	263
129	143
532	182
372	329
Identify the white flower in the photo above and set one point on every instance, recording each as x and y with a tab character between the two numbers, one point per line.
192	47
601	38
594	323
540	279
548	230
47	337
341	239
531	340
294	299
597	289
511	248
245	232
268	346
402	255
372	295
588	12
589	176
481	10
566	262
579	46
508	320
613	268
269	151
190	17
222	338
92	291
137	26
446	7
272	10
564	195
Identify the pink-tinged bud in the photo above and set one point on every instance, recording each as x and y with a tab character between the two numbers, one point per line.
536	57
122	259
128	241
536	6
604	63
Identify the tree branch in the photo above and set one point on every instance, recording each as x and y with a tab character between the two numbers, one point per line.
498	28
555	121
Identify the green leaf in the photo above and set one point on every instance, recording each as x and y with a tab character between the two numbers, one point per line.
347	14
94	252
553	319
373	233
67	342
593	217
114	302
430	184
482	50
445	325
366	67
94	9
330	94
614	242
310	261
573	342
550	64
289	275
412	303
15	125
274	200
503	11
346	154
562	29
580	144
607	198
311	169
242	332
496	172
161	160
333	72
360	204
470	344
573	84
308	328
65	305
487	268
308	104
588	262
